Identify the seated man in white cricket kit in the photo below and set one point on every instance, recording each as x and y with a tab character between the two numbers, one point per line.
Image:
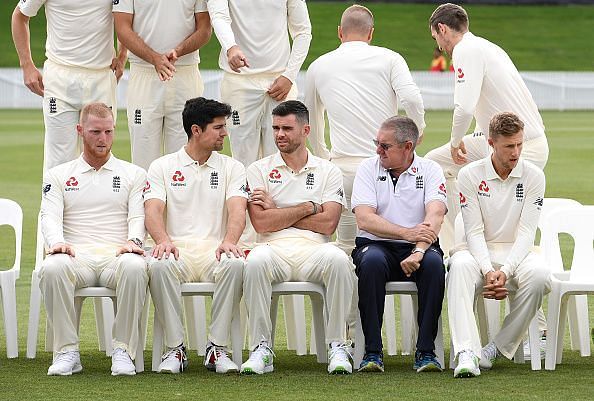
295	205
92	220
500	198
195	202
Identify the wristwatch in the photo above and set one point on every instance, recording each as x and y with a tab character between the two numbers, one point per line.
137	242
420	250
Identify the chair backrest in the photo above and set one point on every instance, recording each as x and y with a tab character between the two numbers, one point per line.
579	224
549	244
11	214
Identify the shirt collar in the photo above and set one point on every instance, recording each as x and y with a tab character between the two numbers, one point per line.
214	160
82	166
413	169
312	161
354	43
491	174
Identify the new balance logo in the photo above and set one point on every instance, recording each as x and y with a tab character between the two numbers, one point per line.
538	202
137	117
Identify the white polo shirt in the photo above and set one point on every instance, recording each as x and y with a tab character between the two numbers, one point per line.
500	212
92	208
403	204
319	181
163	25
261	28
486	83
195	195
79	33
359	86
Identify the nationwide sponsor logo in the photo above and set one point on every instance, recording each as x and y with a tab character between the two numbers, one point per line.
520	192
381	178
71	184
235	118
46	188
178	179
309	181
214	180
483	189
538	202
463	200
274	177
116	183
137	117
419	182
442	189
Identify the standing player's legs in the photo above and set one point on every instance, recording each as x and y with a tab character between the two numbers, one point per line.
146	98
536	151
328	265
465	282
527	286
186	84
127	274
477	148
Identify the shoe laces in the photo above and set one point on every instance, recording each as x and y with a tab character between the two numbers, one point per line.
491	351
261	351
65	357
178	353
216	352
373	357
342	351
121	356
466	356
423	356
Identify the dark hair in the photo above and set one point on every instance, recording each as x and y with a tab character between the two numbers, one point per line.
451	15
201	112
506	124
294	107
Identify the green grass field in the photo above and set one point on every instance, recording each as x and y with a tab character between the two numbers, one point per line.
569	174
537	38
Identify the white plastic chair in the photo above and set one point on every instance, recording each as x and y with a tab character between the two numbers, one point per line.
193	294
406	288
579	224
105	310
11	214
317	294
577	305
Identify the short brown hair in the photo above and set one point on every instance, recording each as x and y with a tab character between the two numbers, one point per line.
100	110
451	15
356	18
506	124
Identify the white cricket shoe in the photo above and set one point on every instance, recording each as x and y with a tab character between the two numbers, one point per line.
260	361
338	357
217	359
65	364
121	363
468	365
489	354
174	361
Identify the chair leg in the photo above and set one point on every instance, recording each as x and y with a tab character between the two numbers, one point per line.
8	288
390	324
34	315
534	339
553	328
100	323
439	347
195	310
582	326
317	310
105	311
273	314
492	308
561	331
359	343
408	325
294	311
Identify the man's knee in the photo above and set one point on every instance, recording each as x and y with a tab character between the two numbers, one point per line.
132	265
371	260
231	266
159	268
54	267
256	263
337	259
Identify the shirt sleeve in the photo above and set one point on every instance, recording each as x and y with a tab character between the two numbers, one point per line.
52	209
136	205
300	31
528	222
407	91
255	178
317	139
435	189
155	185
364	186
333	188
473	221
236	180
200	6
470	70
30	7
123	6
221	22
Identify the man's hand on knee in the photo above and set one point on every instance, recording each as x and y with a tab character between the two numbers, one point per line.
61	247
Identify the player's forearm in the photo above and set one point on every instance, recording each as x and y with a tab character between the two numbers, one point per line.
378	226
460	124
235	227
271	220
131	40
298	54
155	225
197	39
122	53
324	223
21	38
